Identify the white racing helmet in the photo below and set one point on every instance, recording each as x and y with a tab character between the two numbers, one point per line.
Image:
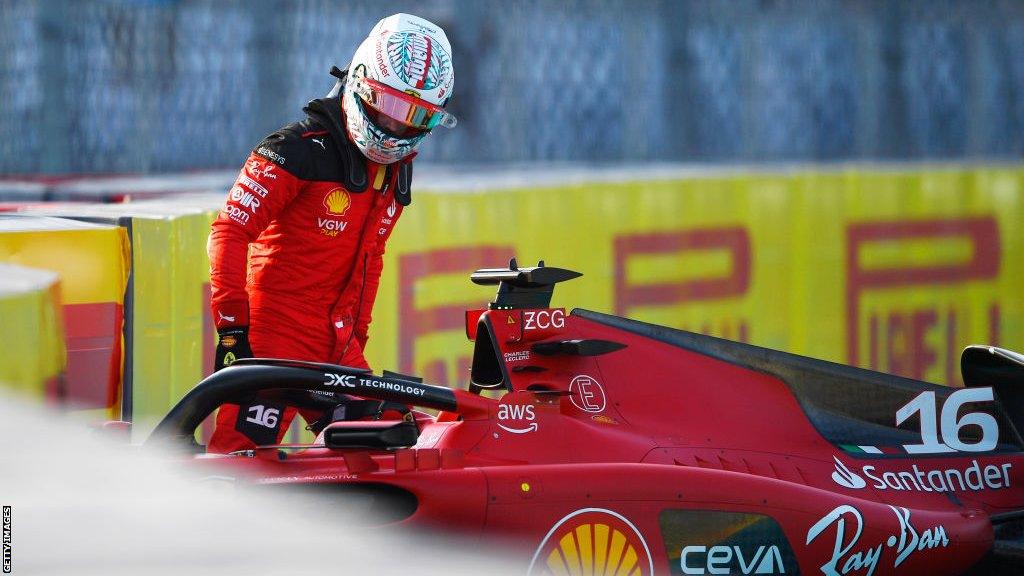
399	80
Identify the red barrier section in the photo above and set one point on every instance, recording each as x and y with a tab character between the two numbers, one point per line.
93	334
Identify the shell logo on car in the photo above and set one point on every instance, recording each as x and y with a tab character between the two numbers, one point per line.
593	541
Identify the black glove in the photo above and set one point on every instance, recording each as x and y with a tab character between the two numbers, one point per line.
232	344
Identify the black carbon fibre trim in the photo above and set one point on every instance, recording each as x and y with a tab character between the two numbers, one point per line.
246	378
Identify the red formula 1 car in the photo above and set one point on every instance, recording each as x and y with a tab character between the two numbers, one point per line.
603	445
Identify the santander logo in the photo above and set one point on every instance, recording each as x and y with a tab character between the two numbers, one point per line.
973	477
846	478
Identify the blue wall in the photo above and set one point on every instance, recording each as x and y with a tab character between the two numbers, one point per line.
149	86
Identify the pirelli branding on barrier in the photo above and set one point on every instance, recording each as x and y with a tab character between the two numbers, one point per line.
892	270
895	271
954	260
637	255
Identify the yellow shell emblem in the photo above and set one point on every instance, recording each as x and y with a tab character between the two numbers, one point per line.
594	549
337	201
593	542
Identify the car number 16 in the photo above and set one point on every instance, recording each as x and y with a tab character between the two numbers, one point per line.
949	425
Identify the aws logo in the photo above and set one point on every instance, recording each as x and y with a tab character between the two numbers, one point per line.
517	418
593	541
337	201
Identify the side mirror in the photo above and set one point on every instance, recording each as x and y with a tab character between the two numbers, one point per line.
377	435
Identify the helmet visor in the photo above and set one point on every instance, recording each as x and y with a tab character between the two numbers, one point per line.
405	108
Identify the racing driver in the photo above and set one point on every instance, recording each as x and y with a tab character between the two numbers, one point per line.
311	211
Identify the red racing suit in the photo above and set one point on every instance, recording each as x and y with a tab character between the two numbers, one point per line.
314	215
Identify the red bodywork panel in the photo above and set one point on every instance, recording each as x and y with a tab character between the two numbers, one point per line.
656	458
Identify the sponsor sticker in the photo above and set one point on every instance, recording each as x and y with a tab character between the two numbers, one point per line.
393	387
245	199
244	180
270	154
517	418
310	478
343	380
237	214
543	319
845	478
337	201
388	219
379	57
228	341
266	172
723	542
352	381
970	478
849	555
587	394
331	227
598	540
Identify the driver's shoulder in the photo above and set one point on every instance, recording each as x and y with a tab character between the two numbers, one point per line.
304	149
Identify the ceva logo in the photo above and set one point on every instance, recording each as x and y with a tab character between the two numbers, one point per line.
719	560
846	478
